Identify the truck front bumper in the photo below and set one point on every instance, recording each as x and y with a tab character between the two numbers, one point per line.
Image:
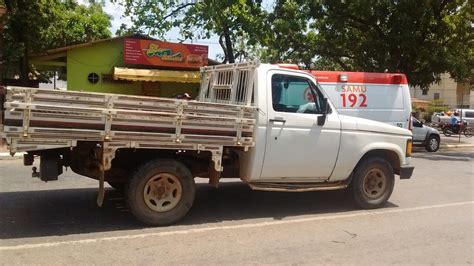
406	172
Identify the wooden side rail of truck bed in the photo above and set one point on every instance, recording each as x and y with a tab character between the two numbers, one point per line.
40	119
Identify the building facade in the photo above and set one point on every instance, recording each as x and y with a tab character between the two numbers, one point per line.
135	65
453	94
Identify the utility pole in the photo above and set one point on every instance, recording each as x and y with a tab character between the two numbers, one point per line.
460	115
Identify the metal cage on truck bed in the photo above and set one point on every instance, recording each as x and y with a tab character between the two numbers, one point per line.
230	84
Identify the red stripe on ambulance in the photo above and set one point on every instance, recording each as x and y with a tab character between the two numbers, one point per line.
358	77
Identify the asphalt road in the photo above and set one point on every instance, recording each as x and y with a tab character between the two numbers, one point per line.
429	219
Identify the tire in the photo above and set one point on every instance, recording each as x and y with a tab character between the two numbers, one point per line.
432	143
447	132
374	174
161	192
119	186
468	132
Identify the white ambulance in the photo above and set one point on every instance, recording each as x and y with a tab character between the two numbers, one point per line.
383	97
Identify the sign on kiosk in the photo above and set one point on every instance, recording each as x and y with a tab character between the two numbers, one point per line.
158	53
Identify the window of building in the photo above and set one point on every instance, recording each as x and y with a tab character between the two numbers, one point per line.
424	92
436	95
93	78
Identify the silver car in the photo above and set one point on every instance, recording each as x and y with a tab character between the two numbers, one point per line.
425	136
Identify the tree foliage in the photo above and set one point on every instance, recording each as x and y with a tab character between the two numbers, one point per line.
33	26
231	20
419	38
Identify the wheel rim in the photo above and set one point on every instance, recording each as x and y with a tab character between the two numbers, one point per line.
375	183
433	143
162	192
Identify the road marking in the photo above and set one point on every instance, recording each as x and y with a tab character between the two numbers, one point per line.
238	226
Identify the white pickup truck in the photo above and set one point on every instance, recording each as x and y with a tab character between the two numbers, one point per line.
247	123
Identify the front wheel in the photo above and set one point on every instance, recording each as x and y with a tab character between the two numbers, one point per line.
161	192
372	183
468	132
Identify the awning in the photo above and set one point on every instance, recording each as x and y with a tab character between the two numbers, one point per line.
415	100
137	74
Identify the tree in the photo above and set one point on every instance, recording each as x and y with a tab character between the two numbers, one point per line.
231	20
33	26
288	21
419	38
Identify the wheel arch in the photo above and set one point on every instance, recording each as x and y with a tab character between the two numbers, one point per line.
390	156
431	133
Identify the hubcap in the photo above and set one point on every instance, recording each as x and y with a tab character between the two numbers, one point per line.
375	182
434	144
162	192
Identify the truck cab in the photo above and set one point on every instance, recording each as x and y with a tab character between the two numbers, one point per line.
295	143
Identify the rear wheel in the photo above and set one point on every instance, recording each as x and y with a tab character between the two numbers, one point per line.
432	144
161	192
373	183
447	132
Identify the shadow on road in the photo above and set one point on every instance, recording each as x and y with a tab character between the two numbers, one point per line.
73	211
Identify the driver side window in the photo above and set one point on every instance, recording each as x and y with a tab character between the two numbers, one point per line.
295	95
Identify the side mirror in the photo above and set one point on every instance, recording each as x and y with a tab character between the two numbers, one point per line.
324	106
325	111
321	120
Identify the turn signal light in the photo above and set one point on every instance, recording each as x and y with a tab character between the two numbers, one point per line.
409	147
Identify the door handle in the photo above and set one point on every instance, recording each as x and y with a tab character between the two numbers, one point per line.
277	119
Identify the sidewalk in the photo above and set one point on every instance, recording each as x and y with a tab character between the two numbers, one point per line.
5	153
453	142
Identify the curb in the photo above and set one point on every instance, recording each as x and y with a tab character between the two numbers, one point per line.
457	146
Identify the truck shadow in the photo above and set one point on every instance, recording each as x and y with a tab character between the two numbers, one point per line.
73	211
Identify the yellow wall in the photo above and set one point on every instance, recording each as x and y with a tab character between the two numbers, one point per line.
101	58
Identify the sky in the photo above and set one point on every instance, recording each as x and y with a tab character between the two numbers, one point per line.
116	11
